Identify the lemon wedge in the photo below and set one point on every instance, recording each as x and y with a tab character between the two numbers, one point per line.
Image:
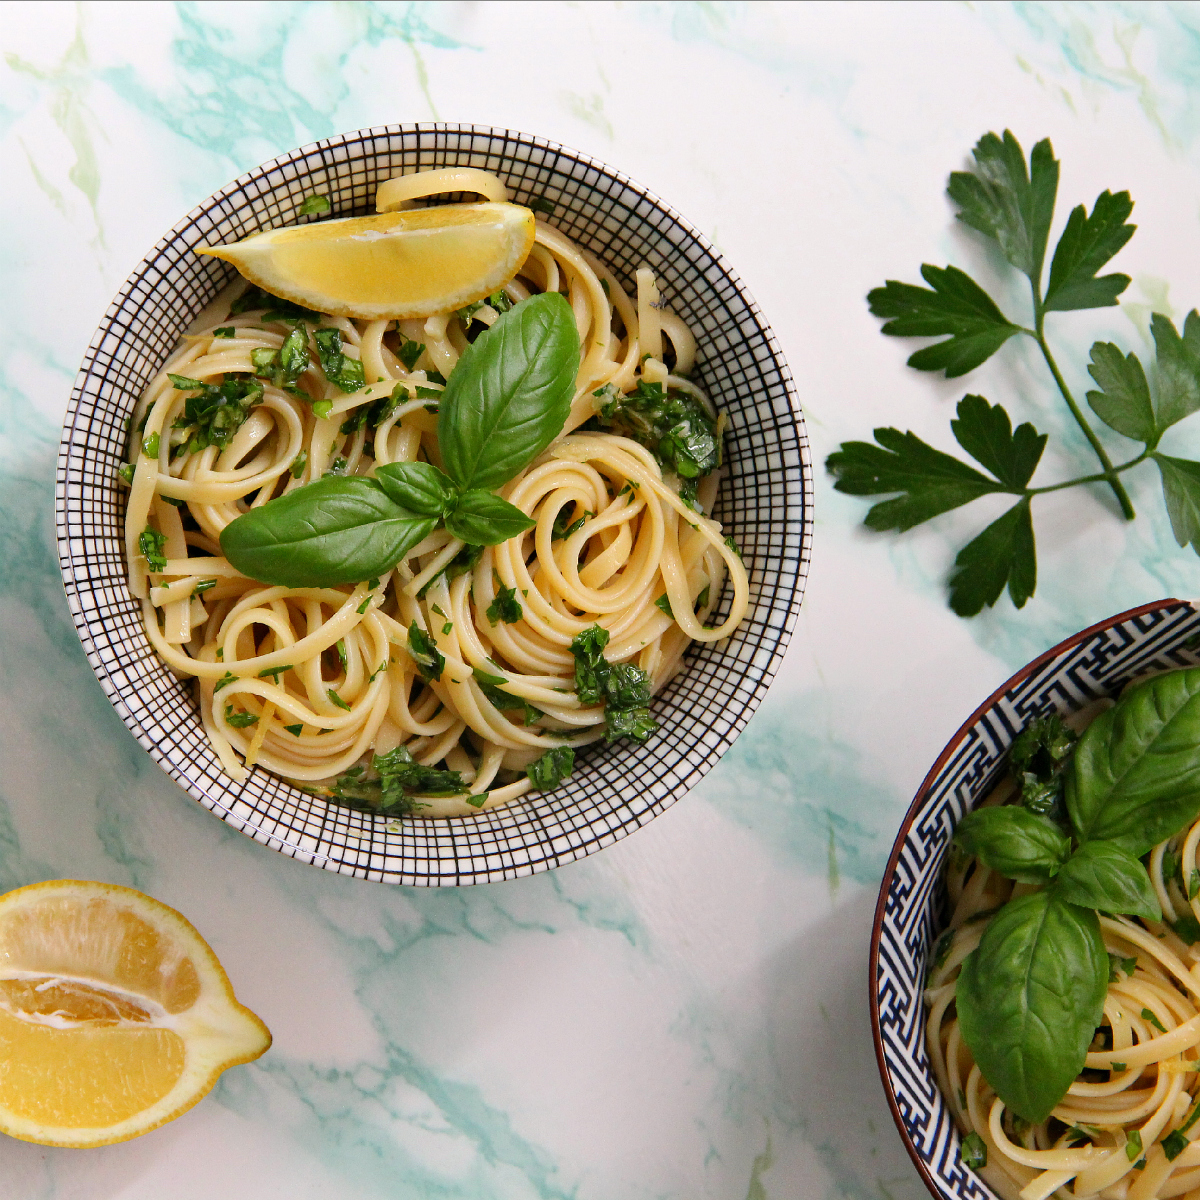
115	1016
396	264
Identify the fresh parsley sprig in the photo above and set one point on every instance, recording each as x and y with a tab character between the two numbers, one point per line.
1013	205
1030	997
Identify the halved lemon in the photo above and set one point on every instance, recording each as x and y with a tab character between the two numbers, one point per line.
396	264
115	1016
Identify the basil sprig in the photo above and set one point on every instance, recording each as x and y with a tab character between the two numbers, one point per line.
505	402
1030	997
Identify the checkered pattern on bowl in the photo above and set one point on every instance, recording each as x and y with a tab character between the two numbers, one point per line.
1095	663
765	504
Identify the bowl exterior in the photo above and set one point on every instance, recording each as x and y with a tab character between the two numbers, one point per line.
765	503
1095	663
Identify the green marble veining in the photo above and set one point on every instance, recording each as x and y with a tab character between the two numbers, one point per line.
662	1021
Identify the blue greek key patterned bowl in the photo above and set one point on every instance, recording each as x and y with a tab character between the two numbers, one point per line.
1098	662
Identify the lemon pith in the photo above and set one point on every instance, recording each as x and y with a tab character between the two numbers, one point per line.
115	1015
389	265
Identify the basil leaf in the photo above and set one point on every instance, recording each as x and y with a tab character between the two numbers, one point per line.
506	607
510	394
482	518
1102	875
418	486
1030	997
335	530
1014	842
428	659
1135	777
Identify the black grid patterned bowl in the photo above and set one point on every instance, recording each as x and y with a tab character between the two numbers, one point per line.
765	503
910	914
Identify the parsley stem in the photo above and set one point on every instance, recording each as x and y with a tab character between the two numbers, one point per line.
1109	476
1102	477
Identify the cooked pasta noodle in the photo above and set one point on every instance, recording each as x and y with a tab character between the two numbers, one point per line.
307	682
1141	1078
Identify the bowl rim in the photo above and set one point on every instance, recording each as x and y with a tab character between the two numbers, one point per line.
615	825
905	827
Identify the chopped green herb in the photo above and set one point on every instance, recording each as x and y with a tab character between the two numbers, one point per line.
1174	1144
239	720
1133	1145
552	768
397	779
505	607
702	599
664	604
498	301
506	701
1117	1067
429	661
225	331
344	372
213	413
295	730
1118	966
322	408
151	445
126	472
449	625
974	1152
1147	1015
341	652
1187	928
314	204
735	548
273	307
362	608
675	428
334	698
298	464
226	679
623	688
337	467
202	586
542	205
152	545
274	673
410	352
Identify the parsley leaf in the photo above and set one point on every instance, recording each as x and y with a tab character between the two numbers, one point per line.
1178	363
1123	402
954	304
1181	493
986	434
1003	554
930	481
506	607
1007	202
552	768
1086	244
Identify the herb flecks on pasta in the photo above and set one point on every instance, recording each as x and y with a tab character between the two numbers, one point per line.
379	581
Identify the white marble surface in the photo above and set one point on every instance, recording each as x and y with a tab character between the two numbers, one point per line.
683	1016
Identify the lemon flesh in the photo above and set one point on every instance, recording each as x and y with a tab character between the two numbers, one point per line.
398	264
115	1016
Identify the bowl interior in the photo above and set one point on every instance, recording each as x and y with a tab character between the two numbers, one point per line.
1096	663
765	504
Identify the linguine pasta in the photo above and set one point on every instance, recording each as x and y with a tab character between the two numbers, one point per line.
310	682
1110	1136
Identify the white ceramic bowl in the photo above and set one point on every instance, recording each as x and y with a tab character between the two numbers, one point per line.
1094	663
765	503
